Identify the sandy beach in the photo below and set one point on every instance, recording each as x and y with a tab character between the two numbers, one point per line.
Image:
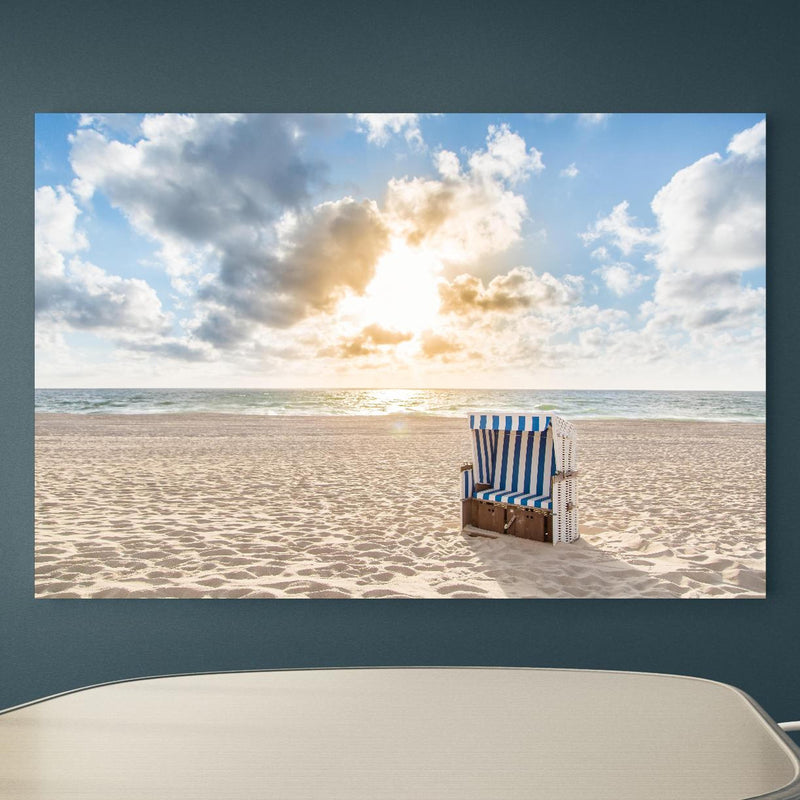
236	506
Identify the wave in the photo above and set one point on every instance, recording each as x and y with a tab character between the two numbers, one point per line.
572	404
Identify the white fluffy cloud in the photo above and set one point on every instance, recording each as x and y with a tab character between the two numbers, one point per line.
76	293
55	233
710	230
621	277
751	143
379	128
506	157
94	299
469	212
711	215
570	171
618	229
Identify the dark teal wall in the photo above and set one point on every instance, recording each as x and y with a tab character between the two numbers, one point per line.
445	56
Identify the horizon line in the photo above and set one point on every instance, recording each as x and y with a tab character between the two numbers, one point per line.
371	389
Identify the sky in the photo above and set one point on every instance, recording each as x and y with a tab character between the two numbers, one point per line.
522	251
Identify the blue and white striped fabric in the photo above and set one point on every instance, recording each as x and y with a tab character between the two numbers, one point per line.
514	454
484	451
524	463
467	483
516	499
508	422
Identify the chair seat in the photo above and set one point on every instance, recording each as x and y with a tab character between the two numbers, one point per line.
514	498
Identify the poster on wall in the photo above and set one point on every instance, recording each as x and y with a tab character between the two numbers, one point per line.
399	355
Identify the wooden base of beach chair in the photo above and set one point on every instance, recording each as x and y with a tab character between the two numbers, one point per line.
526	523
484	515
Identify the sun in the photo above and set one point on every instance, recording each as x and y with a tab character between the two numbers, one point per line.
404	294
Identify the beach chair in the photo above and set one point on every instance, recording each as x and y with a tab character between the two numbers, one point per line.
523	478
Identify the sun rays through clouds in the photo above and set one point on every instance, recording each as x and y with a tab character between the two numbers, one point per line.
400	249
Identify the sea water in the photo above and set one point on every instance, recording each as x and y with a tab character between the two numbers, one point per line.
572	404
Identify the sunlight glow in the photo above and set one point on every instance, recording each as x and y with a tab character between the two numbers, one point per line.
403	295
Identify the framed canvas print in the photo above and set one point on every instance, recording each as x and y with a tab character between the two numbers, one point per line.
400	355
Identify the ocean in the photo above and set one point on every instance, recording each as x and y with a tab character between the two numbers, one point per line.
572	404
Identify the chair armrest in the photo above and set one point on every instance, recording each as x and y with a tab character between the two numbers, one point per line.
467	481
562	476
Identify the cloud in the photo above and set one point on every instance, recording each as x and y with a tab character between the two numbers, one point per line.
75	292
129	125
320	256
712	229
87	297
506	157
380	336
172	348
437	346
209	167
367	342
200	182
226	199
711	215
226	196
700	301
471	212
621	277
517	341
592	119
520	288
222	329
379	128
270	278
618	229
55	234
750	143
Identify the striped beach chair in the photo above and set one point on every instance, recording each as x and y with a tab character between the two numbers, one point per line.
523	478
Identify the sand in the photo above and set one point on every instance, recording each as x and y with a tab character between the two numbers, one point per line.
215	505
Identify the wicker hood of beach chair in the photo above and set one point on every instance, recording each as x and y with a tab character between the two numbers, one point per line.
523	479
